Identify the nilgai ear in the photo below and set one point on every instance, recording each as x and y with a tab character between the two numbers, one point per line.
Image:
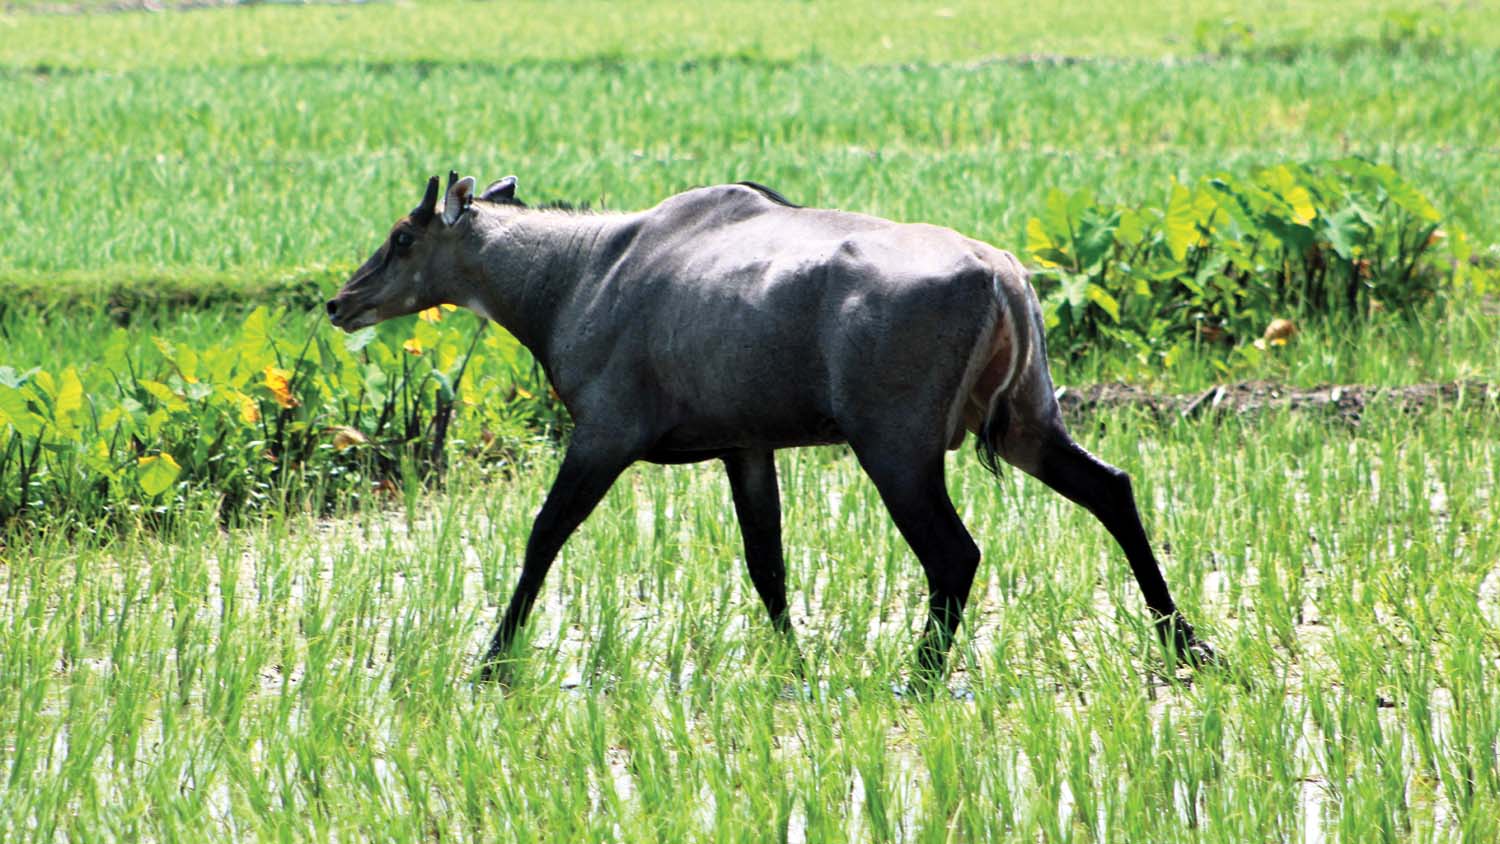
503	190
460	194
422	214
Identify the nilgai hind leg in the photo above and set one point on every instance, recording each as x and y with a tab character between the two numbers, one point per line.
1051	456
910	482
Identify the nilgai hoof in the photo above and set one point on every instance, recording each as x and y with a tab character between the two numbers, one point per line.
1200	654
495	672
1190	651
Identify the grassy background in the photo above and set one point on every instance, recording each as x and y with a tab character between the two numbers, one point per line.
301	679
844	31
254	141
258	153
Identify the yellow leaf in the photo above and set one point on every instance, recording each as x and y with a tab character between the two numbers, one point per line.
1280	329
164	394
1037	238
278	381
346	437
413	346
432	314
69	398
1302	205
249	409
156	473
1180	225
44	380
524	393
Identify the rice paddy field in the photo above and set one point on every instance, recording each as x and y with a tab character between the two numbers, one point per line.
305	672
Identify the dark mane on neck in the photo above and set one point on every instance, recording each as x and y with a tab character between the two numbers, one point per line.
770	194
565	206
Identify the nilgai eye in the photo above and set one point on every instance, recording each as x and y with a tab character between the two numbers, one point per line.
403	239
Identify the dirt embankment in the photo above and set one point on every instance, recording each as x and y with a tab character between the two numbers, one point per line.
1343	402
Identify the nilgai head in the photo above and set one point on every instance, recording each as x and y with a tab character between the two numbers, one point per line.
412	269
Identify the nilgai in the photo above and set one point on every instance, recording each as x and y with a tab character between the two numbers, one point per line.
726	323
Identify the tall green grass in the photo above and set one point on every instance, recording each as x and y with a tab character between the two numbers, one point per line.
308	679
845	31
254	160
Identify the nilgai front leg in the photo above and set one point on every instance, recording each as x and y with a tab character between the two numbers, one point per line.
589	469
757	503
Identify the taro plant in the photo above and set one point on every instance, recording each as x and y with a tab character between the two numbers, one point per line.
1340	240
284	408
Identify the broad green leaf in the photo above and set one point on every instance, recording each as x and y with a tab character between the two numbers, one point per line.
162	393
1234	203
427	334
1079	204
1345	232
1055	215
1409	198
256	332
217	365
10	378
69	400
46	384
1132	227
187	364
156	421
1096	237
116	357
1385	177
1294	197
257	346
1038	241
159	390
1075	289
359	339
1180	225
445	386
156	473
97	457
110	418
16	411
1302	205
1101	297
447	353
1050	318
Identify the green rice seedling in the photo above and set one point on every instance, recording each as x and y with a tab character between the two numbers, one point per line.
302	677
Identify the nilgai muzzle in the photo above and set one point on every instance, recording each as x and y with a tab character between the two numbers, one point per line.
726	323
